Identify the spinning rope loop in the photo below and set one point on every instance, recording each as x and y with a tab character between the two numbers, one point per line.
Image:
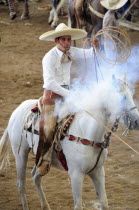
120	41
125	47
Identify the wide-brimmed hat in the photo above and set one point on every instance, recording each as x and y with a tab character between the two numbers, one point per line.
113	4
63	30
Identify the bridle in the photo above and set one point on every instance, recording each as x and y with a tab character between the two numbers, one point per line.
126	113
107	136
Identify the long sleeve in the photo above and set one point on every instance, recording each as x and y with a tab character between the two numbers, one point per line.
50	76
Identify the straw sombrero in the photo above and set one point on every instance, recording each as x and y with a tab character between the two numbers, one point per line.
113	4
63	30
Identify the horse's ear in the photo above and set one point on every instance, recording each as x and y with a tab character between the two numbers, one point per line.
113	78
123	77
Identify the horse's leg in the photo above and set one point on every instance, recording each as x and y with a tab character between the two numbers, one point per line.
55	18
76	182
25	14
98	178
71	17
11	8
55	11
51	16
37	181
62	12
21	164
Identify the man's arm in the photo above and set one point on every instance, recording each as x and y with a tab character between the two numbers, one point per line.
50	83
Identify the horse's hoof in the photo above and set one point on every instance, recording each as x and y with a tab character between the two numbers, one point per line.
54	24
49	22
25	17
13	15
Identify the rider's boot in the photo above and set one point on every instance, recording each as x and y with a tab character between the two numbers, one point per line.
46	133
47	129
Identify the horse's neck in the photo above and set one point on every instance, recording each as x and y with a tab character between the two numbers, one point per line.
86	126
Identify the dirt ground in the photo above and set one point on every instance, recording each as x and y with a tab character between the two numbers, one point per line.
21	53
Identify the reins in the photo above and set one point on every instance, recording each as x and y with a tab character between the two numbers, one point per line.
128	119
96	161
109	133
106	140
115	124
102	145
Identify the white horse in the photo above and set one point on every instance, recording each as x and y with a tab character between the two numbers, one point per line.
56	7
81	159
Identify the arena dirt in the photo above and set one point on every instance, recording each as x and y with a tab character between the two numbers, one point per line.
21	53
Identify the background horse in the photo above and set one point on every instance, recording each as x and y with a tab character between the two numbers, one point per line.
56	7
13	13
79	14
81	159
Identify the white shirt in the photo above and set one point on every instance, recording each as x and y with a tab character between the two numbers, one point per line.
56	73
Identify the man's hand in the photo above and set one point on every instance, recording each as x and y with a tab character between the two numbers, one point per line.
94	42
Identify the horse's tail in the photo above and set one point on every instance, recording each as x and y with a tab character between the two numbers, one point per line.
4	150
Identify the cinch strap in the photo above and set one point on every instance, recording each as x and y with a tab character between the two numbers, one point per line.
85	141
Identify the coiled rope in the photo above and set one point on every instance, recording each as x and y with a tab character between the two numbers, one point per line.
109	36
122	48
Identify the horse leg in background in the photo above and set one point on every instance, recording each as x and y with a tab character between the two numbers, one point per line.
71	18
53	18
37	181
11	8
53	15
98	178
21	164
62	12
77	6
77	182
25	14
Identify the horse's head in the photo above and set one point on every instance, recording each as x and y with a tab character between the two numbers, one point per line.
130	113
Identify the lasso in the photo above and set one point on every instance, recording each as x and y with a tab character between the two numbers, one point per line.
120	40
125	49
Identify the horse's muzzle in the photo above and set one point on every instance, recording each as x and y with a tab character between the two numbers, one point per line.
133	125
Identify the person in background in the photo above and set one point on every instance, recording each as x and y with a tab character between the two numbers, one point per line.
111	19
113	6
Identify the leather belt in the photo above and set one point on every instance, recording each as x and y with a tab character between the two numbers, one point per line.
65	86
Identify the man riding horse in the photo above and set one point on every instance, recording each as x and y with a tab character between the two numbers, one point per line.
57	64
